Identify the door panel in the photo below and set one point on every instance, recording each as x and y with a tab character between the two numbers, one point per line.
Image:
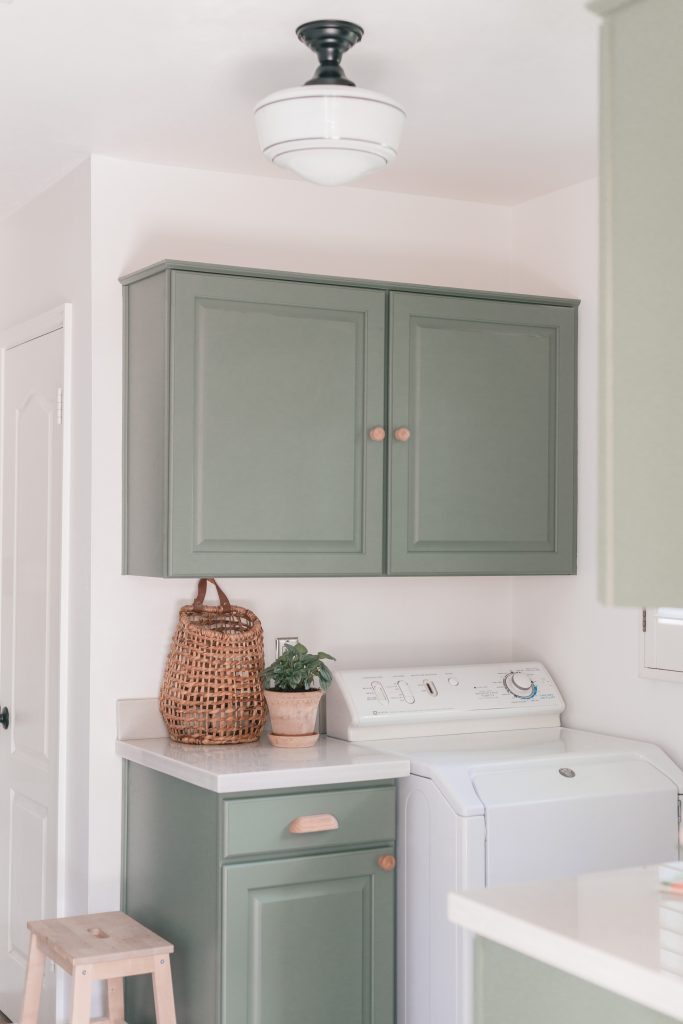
309	940
29	653
275	385
28	868
485	483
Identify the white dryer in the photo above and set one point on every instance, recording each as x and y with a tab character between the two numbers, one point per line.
498	793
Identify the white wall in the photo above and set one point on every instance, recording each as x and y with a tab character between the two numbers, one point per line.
45	262
592	650
144	213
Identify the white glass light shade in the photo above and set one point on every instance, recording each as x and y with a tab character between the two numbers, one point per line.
329	134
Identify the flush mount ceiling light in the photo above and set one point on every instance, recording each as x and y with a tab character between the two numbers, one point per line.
328	131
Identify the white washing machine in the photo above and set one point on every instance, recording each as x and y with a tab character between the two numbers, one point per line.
498	793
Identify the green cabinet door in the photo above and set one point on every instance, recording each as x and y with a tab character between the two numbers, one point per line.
485	483
249	406
309	941
275	386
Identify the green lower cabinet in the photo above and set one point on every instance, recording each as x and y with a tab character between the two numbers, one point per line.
269	926
515	989
309	940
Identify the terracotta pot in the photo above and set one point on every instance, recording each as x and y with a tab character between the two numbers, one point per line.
292	717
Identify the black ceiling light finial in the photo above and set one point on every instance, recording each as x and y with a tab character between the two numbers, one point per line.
330	39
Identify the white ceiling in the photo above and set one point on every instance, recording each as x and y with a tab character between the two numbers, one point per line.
501	94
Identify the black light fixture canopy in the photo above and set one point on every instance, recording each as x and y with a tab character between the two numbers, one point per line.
329	39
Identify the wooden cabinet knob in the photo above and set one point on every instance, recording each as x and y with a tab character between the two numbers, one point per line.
313	823
377	434
387	862
402	434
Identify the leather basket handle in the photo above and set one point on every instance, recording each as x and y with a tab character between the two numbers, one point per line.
201	593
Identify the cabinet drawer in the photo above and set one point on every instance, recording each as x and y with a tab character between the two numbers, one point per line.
262	824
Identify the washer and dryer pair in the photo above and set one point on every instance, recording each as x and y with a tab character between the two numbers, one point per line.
499	792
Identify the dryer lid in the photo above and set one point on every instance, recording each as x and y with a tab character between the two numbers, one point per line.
550	819
574	779
511	762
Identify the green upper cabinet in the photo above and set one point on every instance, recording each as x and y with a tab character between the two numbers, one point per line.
485	392
266	390
251	399
641	365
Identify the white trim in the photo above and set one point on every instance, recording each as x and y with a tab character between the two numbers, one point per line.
29	330
647	668
58	319
64	649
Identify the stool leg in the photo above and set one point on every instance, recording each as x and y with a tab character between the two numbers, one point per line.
34	983
115	1001
163	990
80	1003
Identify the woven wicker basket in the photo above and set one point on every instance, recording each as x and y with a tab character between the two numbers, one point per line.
212	691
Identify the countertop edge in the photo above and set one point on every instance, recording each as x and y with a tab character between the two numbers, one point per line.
385	768
608	971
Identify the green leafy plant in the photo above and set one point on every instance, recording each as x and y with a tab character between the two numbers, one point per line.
296	669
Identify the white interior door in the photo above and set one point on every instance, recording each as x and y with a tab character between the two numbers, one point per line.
30	570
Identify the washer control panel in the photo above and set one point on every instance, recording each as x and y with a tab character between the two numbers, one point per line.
413	701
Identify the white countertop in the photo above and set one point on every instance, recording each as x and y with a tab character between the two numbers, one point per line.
247	767
614	929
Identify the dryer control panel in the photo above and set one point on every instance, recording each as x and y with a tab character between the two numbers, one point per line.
396	702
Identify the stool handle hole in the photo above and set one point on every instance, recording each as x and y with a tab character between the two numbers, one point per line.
97	933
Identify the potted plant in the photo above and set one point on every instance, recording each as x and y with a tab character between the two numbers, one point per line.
292	696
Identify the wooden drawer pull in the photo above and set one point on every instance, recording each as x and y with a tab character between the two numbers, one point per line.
387	862
313	823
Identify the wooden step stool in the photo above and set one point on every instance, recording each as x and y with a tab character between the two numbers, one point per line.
98	947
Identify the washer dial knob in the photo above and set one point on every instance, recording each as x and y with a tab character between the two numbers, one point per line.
519	684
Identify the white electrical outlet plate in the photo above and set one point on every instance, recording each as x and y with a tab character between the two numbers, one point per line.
281	641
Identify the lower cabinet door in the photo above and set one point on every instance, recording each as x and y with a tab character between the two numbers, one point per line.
309	941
